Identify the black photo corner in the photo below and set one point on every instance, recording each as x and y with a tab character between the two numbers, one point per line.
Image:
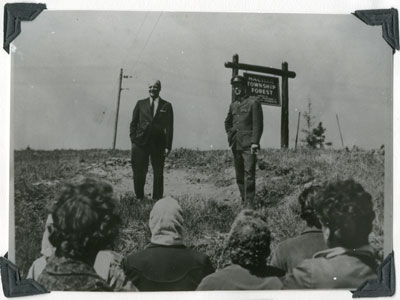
14	13
14	286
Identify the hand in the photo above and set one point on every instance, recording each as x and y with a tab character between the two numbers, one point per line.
254	149
167	151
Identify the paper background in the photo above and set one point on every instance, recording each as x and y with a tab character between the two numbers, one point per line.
325	7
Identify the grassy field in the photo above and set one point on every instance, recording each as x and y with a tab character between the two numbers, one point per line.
281	175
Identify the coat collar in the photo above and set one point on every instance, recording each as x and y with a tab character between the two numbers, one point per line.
365	250
154	245
68	266
242	101
311	230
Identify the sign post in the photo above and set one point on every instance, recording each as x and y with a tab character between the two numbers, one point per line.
285	108
266	89
235	71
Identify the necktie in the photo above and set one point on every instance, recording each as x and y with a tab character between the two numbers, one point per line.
152	108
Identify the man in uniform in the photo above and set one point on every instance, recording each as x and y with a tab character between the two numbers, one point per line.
244	127
151	133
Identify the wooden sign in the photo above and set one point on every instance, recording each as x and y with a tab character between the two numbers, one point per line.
264	88
270	97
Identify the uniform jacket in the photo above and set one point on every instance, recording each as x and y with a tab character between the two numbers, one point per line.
167	268
235	277
66	274
334	268
306	244
144	127
244	123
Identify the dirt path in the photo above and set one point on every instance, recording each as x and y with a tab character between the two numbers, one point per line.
177	182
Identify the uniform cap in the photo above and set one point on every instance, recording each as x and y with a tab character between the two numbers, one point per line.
238	79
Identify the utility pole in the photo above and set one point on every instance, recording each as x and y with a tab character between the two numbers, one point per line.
121	76
340	131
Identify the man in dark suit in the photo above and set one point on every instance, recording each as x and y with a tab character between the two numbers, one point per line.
151	133
244	127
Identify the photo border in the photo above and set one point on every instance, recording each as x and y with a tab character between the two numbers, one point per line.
234	6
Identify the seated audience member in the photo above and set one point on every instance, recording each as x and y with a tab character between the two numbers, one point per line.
289	253
166	264
107	264
47	251
85	221
248	246
345	211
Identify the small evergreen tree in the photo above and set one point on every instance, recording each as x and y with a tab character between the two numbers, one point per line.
318	136
315	137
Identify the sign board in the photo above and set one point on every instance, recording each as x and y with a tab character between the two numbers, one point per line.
264	88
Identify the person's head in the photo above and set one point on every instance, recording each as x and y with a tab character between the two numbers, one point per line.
345	211
166	222
154	88
306	201
239	85
85	220
249	240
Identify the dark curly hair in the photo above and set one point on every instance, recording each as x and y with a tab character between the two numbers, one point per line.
306	201
249	240
85	219
347	210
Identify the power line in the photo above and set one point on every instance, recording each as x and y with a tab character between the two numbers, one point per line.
147	41
135	39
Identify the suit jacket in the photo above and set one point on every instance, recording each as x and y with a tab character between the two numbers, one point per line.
244	123
145	128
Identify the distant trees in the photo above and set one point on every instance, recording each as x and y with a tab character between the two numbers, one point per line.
314	136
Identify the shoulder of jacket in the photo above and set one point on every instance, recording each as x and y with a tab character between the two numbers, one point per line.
199	257
289	243
135	260
212	281
300	276
165	102
134	256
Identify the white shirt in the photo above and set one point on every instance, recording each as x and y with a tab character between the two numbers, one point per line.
155	104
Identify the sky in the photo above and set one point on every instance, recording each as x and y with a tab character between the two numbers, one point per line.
66	65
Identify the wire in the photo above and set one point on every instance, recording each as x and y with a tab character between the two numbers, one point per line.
147	41
135	39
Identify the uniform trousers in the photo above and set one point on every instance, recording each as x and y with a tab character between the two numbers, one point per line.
245	168
140	164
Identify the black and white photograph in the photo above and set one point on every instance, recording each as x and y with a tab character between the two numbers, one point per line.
159	151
